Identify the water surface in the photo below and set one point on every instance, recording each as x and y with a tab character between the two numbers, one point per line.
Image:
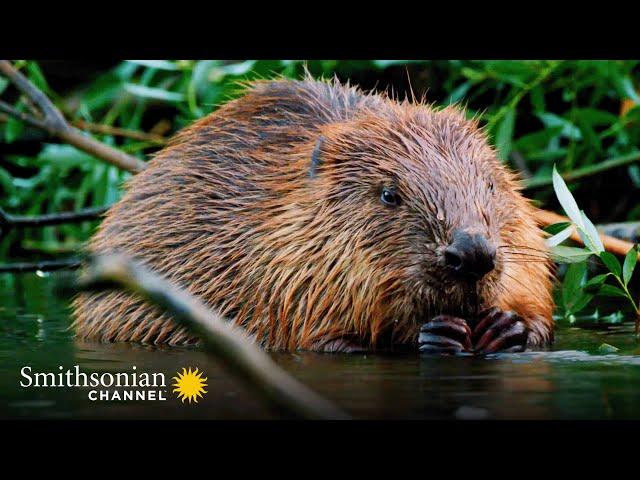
576	379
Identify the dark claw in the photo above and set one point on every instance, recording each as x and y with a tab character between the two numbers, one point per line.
500	331
445	335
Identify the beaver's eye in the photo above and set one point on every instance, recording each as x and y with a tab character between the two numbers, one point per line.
389	197
491	186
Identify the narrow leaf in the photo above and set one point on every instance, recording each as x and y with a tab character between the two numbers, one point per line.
594	284
560	237
556	227
562	254
630	261
612	263
581	303
155	93
504	133
588	242
572	282
592	232
159	64
611	291
566	198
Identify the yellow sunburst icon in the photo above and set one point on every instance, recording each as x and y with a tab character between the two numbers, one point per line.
189	385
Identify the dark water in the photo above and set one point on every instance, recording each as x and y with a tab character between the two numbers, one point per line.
576	380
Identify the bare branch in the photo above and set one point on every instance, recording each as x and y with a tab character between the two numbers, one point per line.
43	266
225	341
55	124
584	172
31	120
9	222
120	132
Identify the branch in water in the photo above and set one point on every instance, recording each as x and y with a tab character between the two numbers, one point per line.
55	124
225	341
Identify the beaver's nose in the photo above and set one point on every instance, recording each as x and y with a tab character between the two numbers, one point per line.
470	255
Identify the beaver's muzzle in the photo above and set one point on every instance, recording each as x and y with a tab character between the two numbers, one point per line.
470	255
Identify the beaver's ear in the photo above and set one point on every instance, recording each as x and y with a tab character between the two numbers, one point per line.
315	157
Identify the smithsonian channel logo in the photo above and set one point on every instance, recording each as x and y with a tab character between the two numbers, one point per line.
188	384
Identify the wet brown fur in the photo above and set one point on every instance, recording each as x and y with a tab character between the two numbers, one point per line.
233	211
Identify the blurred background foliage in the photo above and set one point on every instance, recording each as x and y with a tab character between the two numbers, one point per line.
576	114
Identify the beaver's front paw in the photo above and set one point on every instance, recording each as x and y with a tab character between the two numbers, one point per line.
445	335
498	330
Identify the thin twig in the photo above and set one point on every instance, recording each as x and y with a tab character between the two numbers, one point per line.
225	341
9	222
43	266
55	124
26	118
120	132
584	172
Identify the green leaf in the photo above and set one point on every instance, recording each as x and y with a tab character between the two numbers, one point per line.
572	282
473	75
582	301
154	93
35	75
596	282
238	68
537	99
611	291
538	140
504	133
12	130
556	227
590	231
3	84
389	63
159	64
626	87
606	348
569	130
566	198
594	116
630	261
559	237
612	263
460	92
562	254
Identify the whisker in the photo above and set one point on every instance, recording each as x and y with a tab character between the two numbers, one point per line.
515	252
525	261
524	254
523	247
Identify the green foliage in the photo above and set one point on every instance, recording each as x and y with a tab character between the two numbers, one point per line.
577	290
573	113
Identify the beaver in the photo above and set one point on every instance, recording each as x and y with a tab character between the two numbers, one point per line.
321	217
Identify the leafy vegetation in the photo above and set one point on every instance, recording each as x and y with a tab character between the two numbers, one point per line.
583	116
577	289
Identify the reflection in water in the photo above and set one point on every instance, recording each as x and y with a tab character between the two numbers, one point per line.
572	381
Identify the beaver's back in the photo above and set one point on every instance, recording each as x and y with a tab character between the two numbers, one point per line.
191	214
